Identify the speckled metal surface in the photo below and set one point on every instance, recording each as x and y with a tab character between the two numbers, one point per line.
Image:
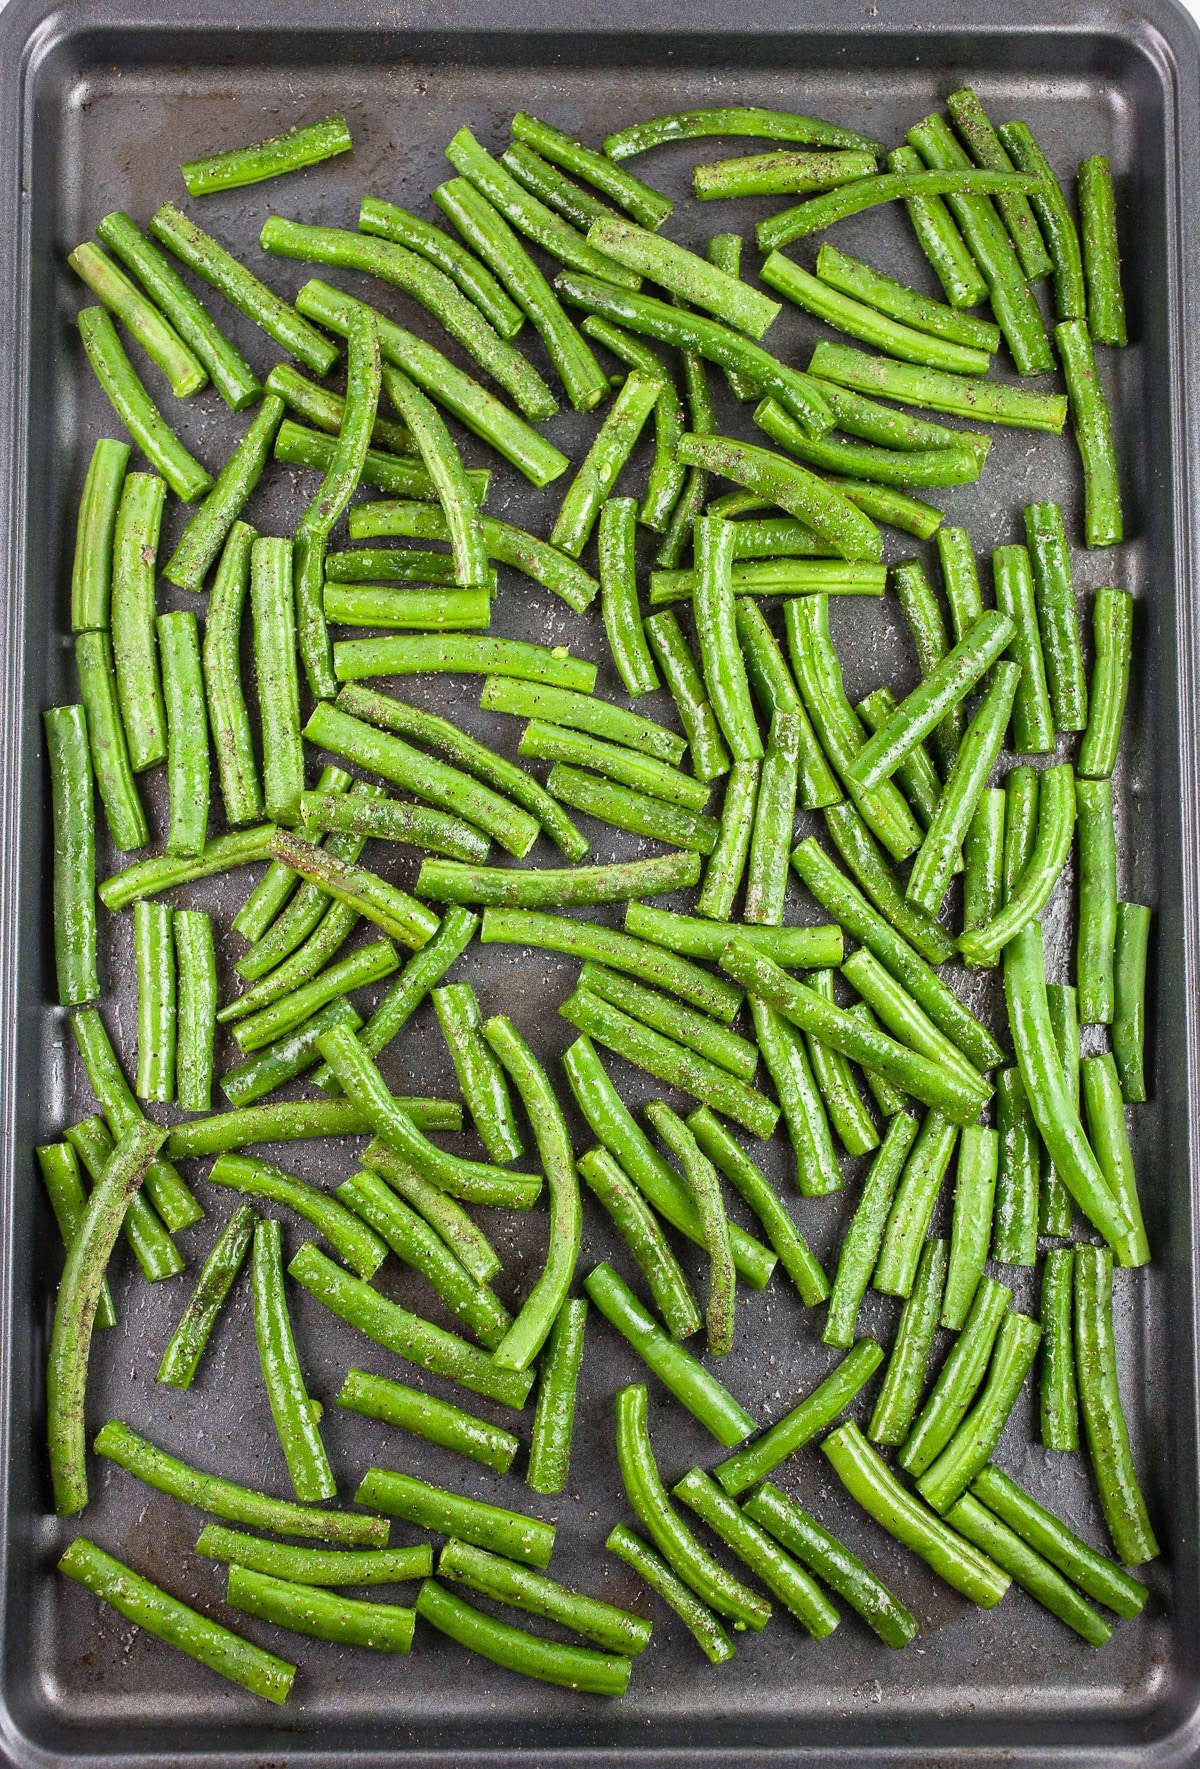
99	107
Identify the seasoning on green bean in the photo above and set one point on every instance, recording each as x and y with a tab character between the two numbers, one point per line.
888	467
449	255
135	650
294	990
494	1576
1101	252
860	320
75	1311
111	766
710	758
1033	723
785	1054
665	1014
1100	1577
935	390
987	149
1015	1231
286	152
864	1237
299	1119
866	193
779	174
774	818
983	854
916	775
196	969
1103	523
73	822
299	1438
275	637
59	1167
406	1335
857	847
1058	1400
904	1378
1129	999
511	1533
1096	940
666	478
1028	1569
228	718
958	1379
938	236
315	1566
727	862
91	568
209	528
554	1416
187	731
480	1074
792	947
143	1229
619	600
425	1416
703	1625
971	1227
558	192
782	1575
904	1018
1112	629
154	948
733	120
1057	223
400	476
601	466
955	1467
574	1667
187	1344
474	653
136	410
321	407
385	904
646	205
306	1609
702	1178
1056	1206
1100	1403
640	1230
814	1414
555	743
236	1504
837	1087
1110	1139
841	1570
357	1244
1055	595
852	277
721	657
155	1610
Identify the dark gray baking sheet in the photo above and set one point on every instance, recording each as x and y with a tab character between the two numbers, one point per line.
98	108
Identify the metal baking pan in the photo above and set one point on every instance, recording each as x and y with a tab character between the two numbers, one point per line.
98	105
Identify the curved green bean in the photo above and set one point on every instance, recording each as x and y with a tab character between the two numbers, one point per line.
554	1416
299	1438
841	1570
953	1470
802	1423
574	1667
425	1416
136	410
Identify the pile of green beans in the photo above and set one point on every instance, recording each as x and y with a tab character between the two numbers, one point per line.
804	981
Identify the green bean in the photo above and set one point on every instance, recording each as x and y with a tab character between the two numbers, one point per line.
477	409
665	481
286	152
510	1533
618	597
862	1240
643	1485
1055	1209
152	1246
446	788
304	1609
936	391
444	465
237	1504
720	654
391	820
670	1061
724	250
570	200
427	1417
473	1180
156	1014
1100	1402
1035	879
316	1566
792	947
228	718
703	1625
135	544
646	205
1110	1139
774	819
974	1195
385	904
958	1380
939	238
895	430
818	675
845	902
723	874
960	578
106	735
415	519
186	1347
1056	1115
60	1171
417	1244
580	712
983	853
1045	1532
136	410
915	1525
929	467
486	230
953	1470
710	758
843	1571
410	564
624	808
928	630
962	186
326	410
1014	1235
443	250
1033	723
275	638
1028	1569
468	1244
231	374
1012	301
421	279
401	1000
598	472
1101	252
777	174
702	336
1058	224
555	743
609	1119
209	260
165	1616
74	826
358	1245
988	149
904	1018
1096	942
460	652
903	1245
786	1057
865	322
705	1186
684	273
554	1416
733	120
1112	628
209	528
405	1334
857	847
296	1120
830	515
75	1310
398	475
639	1228
852	277
480	1075
574	1667
1129	999
689	505
684	1024
650	964
795	1588
905	1375
291	1408
1058	1400
888	1098
187	732
498	1578
916	775
802	1423
1047	543
196	968
976	757
295	989
1103	524
91	569
767	537
885	504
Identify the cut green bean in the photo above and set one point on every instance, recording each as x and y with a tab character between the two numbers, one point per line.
1047	543
1129	999
509	1533
297	1120
971	1227
1096	942
580	712
907	1224
859	320
685	274
646	205
187	731
544	180
969	1450
710	758
305	1609
727	862
325	409
1056	1206
852	277
154	948
695	1030
1103	523
59	1168
640	1230
814	1414
904	1378
236	1504
705	1185
778	174
315	1566
864	1237
357	1244
983	854
480	1075
385	904
196	968
720	654
555	743
624	808
987	149
291	1408
228	718
841	1570
703	1625
774	820
1058	224
598	471
958	1380
136	410
858	849
785	1055
91	568
666	478
782	1575
1112	628
271	599
1100	1403
400	476
938	236
792	947
554	1415
886	187
373	605
1101	252
733	120
425	1416
916	775
1110	1139
937	391
904	1018
888	467
442	249
618	597
574	1667
785	482
1015	1230
149	1241
473	653
135	649
286	152
113	772
74	835
501	1579
187	1344
1045	1532
925	623
1058	1399
1028	1569
1033	723
209	528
